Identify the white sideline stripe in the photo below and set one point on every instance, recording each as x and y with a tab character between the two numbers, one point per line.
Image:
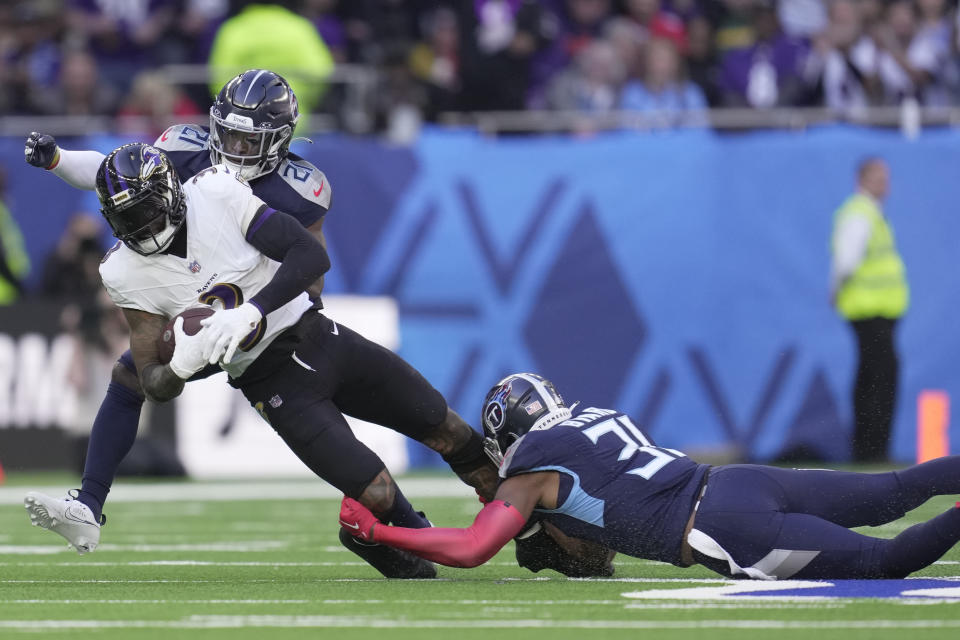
200	563
244	546
380	580
946	592
184	563
268	621
224	601
561	603
534	603
233	491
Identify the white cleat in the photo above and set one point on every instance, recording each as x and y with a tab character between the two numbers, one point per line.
69	517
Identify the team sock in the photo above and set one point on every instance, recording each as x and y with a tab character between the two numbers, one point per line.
401	514
921	545
113	433
932	478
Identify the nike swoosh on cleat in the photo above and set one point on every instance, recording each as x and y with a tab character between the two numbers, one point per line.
68	516
352	526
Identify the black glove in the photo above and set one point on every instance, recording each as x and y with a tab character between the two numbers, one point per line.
40	150
537	550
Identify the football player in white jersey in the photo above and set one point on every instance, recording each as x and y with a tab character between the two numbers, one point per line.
251	126
211	241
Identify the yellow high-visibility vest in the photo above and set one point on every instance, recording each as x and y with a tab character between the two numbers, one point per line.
878	288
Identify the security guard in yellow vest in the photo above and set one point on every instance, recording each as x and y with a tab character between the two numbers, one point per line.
869	289
14	263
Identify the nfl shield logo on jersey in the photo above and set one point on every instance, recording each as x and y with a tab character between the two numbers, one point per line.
194	267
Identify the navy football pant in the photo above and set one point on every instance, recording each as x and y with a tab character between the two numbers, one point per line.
304	383
112	436
794	523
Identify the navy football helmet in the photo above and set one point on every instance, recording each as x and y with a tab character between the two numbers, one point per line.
252	122
142	198
520	403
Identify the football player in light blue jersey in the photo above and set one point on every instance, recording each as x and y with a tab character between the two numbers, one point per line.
593	475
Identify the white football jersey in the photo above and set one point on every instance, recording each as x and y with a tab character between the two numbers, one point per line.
220	264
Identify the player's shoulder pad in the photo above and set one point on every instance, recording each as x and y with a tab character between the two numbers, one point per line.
510	466
219	180
183	137
306	180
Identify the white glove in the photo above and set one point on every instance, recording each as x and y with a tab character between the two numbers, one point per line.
226	328
188	357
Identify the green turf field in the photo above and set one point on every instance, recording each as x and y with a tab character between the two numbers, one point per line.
199	567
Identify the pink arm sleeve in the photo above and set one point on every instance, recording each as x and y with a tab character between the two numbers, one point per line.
494	526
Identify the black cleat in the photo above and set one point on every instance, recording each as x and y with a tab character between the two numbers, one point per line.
392	563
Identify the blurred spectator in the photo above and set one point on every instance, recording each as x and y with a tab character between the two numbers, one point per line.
380	29
910	64
499	39
627	38
702	67
79	91
592	85
868	286
29	52
271	36
14	262
769	73
584	23
663	93
153	105
802	18
400	99
72	269
196	27
323	15
124	37
650	15
844	61
934	23
436	62
733	23
686	10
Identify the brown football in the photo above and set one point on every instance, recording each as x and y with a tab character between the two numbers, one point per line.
191	325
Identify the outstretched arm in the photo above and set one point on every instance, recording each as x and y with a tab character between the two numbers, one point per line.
496	524
76	168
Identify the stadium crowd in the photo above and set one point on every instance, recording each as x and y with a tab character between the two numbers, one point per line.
84	57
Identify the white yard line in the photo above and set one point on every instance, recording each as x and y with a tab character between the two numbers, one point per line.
313	621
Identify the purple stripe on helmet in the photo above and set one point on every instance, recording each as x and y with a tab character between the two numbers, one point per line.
122	183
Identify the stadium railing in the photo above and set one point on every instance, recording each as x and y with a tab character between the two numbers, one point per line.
353	94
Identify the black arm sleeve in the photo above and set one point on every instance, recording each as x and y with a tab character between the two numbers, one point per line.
301	256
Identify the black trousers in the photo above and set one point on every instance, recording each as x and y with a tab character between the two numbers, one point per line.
316	372
875	388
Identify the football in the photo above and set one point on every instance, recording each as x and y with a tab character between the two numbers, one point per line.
191	325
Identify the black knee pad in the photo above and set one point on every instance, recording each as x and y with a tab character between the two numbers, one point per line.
469	457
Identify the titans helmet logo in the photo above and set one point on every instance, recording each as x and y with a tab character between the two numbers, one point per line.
495	412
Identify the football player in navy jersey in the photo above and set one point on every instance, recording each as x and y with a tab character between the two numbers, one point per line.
252	122
594	475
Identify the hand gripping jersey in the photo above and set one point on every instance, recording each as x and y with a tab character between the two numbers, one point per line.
617	487
220	264
296	186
